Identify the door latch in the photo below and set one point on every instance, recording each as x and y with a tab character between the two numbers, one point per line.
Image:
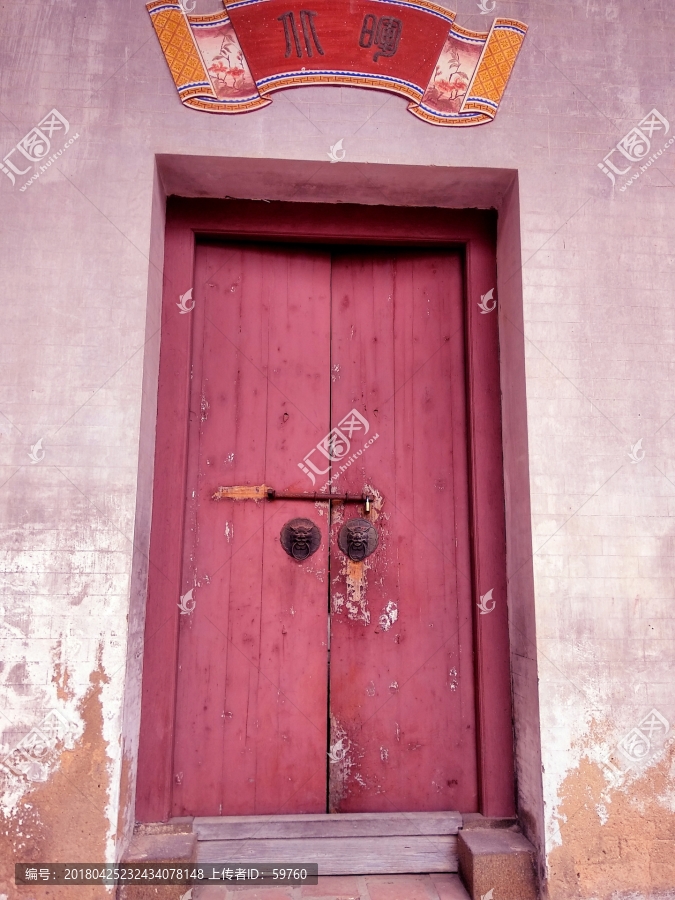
263	492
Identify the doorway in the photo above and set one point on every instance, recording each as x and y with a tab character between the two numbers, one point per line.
326	655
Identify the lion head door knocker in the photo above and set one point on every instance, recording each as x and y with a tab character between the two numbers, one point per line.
300	538
357	538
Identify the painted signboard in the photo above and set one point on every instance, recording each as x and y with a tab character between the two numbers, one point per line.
231	61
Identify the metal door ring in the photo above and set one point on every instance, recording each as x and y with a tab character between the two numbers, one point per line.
300	538
358	538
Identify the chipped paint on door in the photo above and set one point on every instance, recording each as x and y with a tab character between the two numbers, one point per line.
356	582
343	758
389	616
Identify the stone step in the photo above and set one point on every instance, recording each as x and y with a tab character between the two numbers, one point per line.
497	864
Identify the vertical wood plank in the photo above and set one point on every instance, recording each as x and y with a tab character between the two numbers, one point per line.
291	774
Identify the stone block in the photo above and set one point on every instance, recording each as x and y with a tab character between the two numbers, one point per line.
173	848
498	860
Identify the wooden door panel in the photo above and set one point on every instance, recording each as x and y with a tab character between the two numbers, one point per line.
251	692
401	684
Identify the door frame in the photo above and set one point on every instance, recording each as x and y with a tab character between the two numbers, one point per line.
474	234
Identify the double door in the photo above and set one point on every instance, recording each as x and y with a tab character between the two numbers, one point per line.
325	647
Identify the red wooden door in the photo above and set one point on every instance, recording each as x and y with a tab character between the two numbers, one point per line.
401	663
250	723
326	684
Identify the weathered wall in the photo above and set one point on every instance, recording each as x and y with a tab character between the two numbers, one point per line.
80	259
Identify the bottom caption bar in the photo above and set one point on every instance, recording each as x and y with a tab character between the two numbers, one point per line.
159	873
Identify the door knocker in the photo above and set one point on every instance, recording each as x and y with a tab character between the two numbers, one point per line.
300	538
357	538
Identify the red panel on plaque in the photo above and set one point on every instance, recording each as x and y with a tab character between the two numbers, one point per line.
375	44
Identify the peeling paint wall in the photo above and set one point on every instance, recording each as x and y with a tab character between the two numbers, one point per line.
65	815
610	831
587	346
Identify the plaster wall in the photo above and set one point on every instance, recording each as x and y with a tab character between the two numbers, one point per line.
587	323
